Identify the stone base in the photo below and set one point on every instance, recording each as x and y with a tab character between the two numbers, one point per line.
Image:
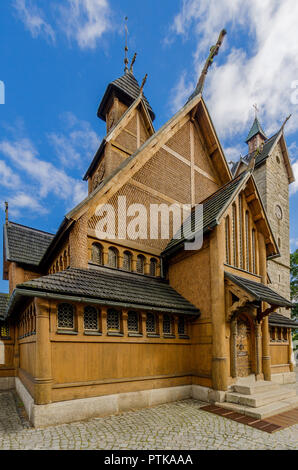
86	408
7	383
284	378
207	394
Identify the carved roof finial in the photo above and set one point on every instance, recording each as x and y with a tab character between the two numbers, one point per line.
126	47
6	212
285	122
143	83
132	62
213	52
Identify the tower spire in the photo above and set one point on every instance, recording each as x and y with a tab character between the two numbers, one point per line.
126	48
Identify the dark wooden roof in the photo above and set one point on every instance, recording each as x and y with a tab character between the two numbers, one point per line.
127	89
25	245
113	287
259	291
276	319
4	298
212	209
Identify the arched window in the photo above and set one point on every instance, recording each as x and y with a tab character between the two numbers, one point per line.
227	232
150	323
96	253
241	232
234	234
127	257
167	324
140	264
113	257
90	318
153	266
247	239
253	247
66	316
113	320
133	322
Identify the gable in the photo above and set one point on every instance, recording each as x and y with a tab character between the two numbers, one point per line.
179	172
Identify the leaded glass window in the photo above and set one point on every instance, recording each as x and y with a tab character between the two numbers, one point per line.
4	330
90	318
234	235
166	324
66	316
150	323
153	264
97	253
181	326
113	320
113	257
227	233
127	261
133	321
253	247
247	239
140	264
241	231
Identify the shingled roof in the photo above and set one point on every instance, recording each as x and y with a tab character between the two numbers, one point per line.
128	89
25	245
276	319
213	207
259	291
4	299
112	287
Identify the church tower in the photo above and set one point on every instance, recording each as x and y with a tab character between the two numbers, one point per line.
129	123
273	174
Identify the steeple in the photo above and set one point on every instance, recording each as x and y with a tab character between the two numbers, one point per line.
256	135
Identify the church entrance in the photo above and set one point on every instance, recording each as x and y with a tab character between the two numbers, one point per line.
243	347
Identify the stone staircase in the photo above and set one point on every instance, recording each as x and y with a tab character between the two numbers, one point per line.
259	399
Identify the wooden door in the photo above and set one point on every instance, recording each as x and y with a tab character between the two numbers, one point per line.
243	347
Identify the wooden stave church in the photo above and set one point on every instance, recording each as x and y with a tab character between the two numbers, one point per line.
83	335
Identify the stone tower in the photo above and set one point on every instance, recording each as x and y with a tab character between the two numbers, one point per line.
273	174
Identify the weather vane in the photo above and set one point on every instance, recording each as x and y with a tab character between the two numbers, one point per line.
255	106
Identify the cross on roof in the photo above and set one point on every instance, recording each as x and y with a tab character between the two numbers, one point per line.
255	106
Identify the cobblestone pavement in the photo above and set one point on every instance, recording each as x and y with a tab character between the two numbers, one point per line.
179	425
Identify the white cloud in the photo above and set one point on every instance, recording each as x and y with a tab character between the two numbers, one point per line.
260	72
8	178
33	19
294	186
77	145
47	178
294	244
85	21
21	201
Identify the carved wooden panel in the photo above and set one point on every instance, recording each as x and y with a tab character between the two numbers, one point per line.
243	347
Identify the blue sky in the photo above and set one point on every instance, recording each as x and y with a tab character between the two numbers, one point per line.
58	57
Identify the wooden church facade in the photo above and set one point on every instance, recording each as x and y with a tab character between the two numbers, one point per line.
96	326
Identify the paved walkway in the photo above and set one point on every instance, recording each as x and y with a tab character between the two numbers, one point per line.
179	425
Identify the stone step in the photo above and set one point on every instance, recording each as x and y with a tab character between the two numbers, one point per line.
257	387
260	399
262	412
